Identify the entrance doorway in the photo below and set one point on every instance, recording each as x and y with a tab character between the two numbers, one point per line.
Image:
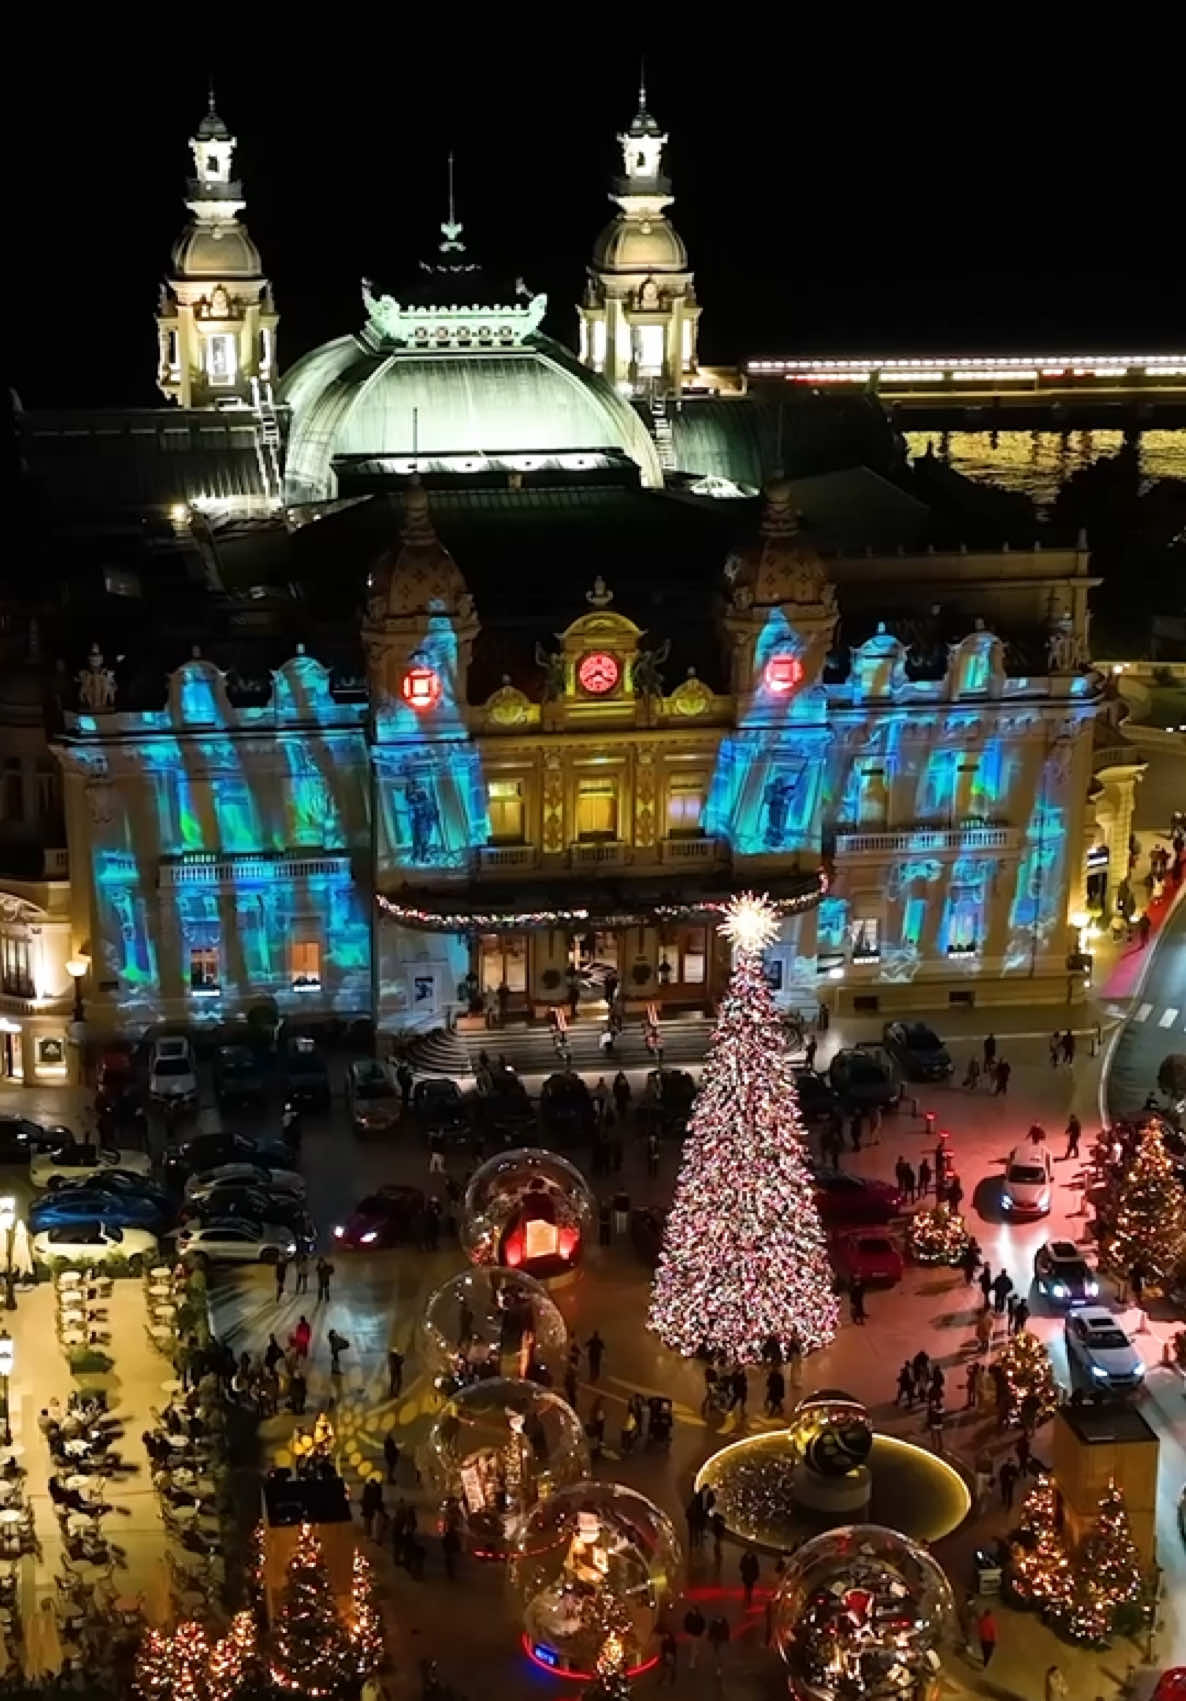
502	960
594	957
683	964
12	1062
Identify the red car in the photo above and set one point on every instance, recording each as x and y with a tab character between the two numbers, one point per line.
1171	1685
872	1257
384	1218
846	1199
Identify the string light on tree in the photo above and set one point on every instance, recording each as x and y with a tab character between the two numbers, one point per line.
366	1623
937	1236
744	1259
311	1655
232	1659
1148	1214
1109	1582
1029	1377
1040	1573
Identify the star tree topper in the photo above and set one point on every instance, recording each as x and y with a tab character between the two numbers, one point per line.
751	922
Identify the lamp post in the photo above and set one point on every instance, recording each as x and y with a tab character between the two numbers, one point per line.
76	967
7	1224
6	1362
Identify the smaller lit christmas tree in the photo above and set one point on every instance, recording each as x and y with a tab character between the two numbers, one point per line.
1040	1572
232	1661
366	1622
1108	1574
310	1652
936	1236
151	1677
1145	1222
610	1682
1029	1377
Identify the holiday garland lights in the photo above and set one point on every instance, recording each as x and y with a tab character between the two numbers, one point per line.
744	1257
311	1655
366	1623
494	921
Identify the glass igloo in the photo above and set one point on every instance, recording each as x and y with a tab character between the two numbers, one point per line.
862	1610
497	1448
492	1322
593	1560
528	1210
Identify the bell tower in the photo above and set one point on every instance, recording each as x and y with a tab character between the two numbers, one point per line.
640	317
216	321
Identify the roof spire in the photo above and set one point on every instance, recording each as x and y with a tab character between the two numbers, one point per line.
210	95
642	84
450	228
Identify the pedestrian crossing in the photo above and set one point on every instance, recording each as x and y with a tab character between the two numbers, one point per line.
1166	1016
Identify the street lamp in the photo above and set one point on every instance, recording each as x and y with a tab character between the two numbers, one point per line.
76	967
6	1361
7	1224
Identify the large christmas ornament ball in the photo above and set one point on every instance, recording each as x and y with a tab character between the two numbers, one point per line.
593	1560
492	1322
528	1210
832	1432
863	1612
497	1448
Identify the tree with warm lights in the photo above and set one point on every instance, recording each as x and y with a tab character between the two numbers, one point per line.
1145	1223
744	1259
1109	1579
937	1236
1025	1364
610	1682
1040	1573
310	1654
366	1621
233	1659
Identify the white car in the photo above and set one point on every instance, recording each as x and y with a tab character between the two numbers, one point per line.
235	1240
199	1187
1098	1347
172	1072
78	1162
95	1243
1029	1182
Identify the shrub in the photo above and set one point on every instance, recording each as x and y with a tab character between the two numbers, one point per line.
88	1361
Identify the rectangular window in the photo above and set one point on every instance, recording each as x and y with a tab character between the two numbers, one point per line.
220	359
265	353
203	968
686	342
597	809
685	805
874	798
865	935
599	344
965	801
304	964
504	959
963	924
49	793
17	976
648	350
913	917
694	957
504	801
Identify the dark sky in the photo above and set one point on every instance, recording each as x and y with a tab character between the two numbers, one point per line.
836	196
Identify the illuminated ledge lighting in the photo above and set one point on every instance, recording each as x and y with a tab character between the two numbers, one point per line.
994	368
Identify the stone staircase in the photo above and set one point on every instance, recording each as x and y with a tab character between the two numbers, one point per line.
530	1050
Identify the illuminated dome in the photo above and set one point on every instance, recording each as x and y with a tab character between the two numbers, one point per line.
590	1559
496	1449
528	1210
863	1611
221	250
490	1317
640	245
357	397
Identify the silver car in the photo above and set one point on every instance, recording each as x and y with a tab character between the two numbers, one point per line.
199	1187
1100	1350
235	1240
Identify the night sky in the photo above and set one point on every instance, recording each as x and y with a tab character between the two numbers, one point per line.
832	200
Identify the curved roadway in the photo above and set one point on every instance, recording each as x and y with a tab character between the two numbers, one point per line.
1156	1023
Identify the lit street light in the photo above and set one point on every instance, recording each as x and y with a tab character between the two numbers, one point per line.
76	967
7	1224
7	1353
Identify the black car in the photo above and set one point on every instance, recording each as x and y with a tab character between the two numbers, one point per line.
817	1101
306	1073
507	1109
238	1077
865	1076
917	1050
566	1109
254	1204
210	1151
19	1137
439	1108
1063	1275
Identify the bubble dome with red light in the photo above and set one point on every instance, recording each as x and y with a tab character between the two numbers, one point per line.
528	1210
863	1611
489	1320
591	1558
497	1448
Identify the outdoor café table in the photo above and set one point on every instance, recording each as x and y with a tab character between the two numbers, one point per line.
77	1446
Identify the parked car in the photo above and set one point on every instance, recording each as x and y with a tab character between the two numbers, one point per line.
248	1175
917	1050
96	1242
118	1184
845	1198
1029	1182
253	1203
372	1097
19	1137
507	1111
306	1073
439	1108
172	1072
566	1109
235	1240
69	1162
1171	1685
239	1077
81	1204
1063	1275
817	1101
871	1257
865	1076
386	1217
207	1151
1099	1348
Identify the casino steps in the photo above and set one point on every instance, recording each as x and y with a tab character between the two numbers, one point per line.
531	1050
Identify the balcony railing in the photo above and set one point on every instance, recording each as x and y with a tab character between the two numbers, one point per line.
601	853
251	868
688	850
968	838
506	856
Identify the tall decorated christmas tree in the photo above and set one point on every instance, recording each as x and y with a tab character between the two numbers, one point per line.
744	1259
1108	1575
1147	1217
1040	1573
311	1654
1029	1377
366	1622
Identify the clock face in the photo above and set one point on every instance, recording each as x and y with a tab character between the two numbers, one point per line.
421	688
599	672
782	673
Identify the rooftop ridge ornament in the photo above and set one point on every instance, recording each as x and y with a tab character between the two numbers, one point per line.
417	527
600	596
751	922
451	227
431	329
779	518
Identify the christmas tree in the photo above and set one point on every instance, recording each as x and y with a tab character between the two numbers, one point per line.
1029	1377
366	1623
935	1236
232	1659
1040	1567
1108	1574
1145	1222
610	1682
151	1677
744	1259
310	1651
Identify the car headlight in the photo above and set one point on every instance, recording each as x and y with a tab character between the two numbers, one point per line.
369	1237
1006	1202
1044	1199
1140	1369
1101	1374
339	1232
1091	1289
1060	1290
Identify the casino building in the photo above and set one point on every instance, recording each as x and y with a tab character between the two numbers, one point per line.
459	661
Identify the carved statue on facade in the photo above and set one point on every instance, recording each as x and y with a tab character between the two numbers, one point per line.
422	816
96	682
777	800
648	681
1065	650
600	596
552	662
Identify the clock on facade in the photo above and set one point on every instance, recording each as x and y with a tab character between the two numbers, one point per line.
782	673
420	688
598	672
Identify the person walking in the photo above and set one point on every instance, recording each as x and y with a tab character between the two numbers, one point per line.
595	1347
652	1154
986	1281
395	1373
1007	1478
718	1641
372	1505
969	1259
1004	1070
301	1336
391	1455
986	1635
1074	1133
302	1273
856	1300
750	1572
905	1386
1020	1317
809	1051
436	1156
1055	1046
984	1330
900	1169
972	1382
1068	1048
990	1054
281	1276
955	1195
776	1393
622	1095
694	1628
924	1179
337	1345
1002	1287
324	1271
1056	1685
405	1079
972	1078
794	1356
297	1393
936	1417
739	1391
